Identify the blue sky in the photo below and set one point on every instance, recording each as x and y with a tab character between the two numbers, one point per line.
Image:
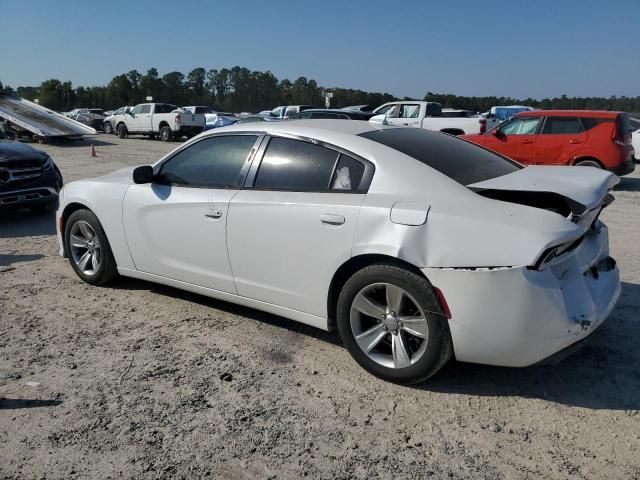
516	48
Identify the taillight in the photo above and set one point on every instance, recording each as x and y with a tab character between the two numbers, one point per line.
483	125
178	119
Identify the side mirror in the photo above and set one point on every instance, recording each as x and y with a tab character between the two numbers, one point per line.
143	174
497	133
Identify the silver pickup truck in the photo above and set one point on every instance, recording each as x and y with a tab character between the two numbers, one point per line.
162	119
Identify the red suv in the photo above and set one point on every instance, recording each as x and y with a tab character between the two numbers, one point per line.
564	137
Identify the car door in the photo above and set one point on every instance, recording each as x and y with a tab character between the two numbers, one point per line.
406	114
516	138
176	225
560	140
294	227
143	119
131	120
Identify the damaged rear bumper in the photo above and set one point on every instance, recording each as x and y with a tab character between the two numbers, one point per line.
517	316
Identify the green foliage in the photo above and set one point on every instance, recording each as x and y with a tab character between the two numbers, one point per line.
483	104
240	89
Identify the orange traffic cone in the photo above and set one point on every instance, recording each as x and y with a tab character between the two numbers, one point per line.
93	150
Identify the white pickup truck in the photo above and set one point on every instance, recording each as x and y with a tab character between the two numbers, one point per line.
161	119
426	115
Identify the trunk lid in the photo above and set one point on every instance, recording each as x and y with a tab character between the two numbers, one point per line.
577	189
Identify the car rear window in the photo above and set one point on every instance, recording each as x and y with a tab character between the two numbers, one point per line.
624	126
164	108
562	126
458	159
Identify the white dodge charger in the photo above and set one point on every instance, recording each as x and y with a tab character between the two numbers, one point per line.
416	245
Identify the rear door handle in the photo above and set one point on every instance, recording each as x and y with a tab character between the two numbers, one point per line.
331	219
213	213
575	141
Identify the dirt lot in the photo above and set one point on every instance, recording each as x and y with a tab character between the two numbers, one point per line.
142	381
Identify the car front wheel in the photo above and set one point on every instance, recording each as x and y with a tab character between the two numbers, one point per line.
390	320
108	129
88	249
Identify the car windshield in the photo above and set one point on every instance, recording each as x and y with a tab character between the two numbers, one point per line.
458	159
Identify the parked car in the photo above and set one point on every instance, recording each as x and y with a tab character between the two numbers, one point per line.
77	111
254	118
635	136
564	137
456	113
286	111
110	122
161	119
417	246
92	120
498	114
28	178
331	114
427	115
362	108
220	120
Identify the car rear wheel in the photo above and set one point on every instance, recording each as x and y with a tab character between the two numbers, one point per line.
122	131
390	320
588	163
166	135
88	249
108	129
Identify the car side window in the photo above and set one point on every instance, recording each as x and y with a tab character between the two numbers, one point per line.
391	112
214	162
136	109
145	109
296	165
521	126
409	110
348	174
562	126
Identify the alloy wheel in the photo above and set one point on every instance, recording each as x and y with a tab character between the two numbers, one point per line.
85	247
388	325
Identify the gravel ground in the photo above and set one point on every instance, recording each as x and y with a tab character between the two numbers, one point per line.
137	380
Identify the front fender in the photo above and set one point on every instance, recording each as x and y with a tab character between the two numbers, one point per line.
104	199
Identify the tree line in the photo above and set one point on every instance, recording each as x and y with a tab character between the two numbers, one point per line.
239	89
234	89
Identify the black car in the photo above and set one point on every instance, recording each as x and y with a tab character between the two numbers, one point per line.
28	178
331	114
92	120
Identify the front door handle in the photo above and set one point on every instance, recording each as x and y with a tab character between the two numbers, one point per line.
213	213
573	141
524	142
331	219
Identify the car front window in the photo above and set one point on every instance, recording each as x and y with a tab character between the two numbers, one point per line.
214	162
521	126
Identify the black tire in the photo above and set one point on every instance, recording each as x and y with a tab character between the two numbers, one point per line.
589	162
107	271
439	347
166	135
122	131
108	128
